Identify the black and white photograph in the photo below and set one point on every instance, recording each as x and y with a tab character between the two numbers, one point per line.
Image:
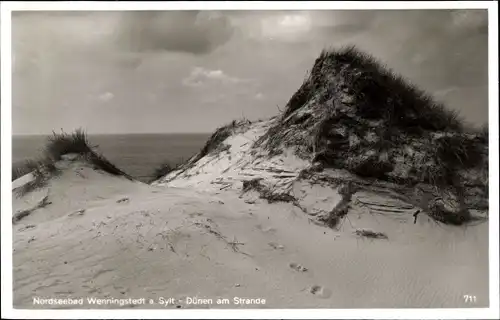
221	158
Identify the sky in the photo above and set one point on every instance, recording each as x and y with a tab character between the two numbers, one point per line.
192	71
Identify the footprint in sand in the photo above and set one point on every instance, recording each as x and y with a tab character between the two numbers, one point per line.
195	214
77	213
54	283
320	291
219	201
122	200
121	290
266	229
297	267
29	226
276	246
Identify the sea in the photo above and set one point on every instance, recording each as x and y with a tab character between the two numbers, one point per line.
136	154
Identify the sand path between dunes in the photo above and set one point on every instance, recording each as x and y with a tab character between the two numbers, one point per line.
109	237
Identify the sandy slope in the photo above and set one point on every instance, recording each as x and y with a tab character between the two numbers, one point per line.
197	235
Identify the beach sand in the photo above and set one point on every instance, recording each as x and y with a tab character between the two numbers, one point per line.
195	235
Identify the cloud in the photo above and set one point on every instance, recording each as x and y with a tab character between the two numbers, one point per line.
105	33
259	96
440	47
435	49
196	32
70	57
200	76
105	97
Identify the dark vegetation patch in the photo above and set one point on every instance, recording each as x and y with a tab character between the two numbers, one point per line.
370	234
63	143
266	192
341	209
483	134
354	113
162	170
373	91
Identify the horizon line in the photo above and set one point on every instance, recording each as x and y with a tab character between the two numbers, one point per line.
112	133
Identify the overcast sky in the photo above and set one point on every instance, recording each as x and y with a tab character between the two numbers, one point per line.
188	71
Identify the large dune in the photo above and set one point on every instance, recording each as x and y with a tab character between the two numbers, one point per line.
264	217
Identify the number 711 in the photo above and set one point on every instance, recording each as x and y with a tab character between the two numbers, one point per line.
469	299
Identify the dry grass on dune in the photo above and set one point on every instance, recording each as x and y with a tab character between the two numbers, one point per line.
215	143
42	170
375	91
58	145
63	143
352	112
77	143
22	168
161	171
267	193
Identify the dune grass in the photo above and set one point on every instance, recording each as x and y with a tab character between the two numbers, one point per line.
350	95
483	134
352	112
215	143
41	169
59	144
366	233
63	143
376	91
265	192
22	168
162	170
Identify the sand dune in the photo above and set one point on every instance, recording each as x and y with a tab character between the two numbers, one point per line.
107	237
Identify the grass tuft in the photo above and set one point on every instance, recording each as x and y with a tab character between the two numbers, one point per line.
58	145
22	168
62	143
162	170
77	143
41	170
